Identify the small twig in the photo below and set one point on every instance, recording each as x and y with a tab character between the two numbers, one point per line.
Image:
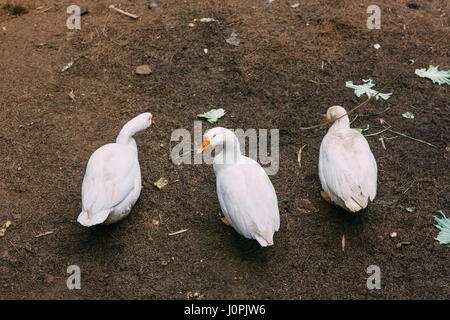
178	232
12	244
299	156
375	114
45	10
382	143
408	188
124	12
411	138
374	134
43	234
181	156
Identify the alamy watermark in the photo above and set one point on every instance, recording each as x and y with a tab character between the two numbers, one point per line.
374	281
374	21
258	147
74	280
74	20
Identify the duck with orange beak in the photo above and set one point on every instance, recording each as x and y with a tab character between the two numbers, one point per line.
246	194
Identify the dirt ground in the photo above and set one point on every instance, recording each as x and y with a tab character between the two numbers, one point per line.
292	66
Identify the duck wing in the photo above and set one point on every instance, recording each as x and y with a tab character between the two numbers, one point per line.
347	169
110	177
248	200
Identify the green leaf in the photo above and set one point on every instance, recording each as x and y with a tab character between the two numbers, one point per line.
362	129
408	115
443	224
212	116
439	77
365	88
410	209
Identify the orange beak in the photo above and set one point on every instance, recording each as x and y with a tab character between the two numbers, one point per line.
153	121
205	144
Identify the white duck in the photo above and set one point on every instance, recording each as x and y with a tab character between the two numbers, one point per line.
112	183
246	195
347	167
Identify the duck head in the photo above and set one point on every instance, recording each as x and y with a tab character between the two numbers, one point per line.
337	114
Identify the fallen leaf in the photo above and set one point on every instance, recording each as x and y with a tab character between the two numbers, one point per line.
234	39
408	115
4	227
435	75
443	224
212	116
365	88
161	183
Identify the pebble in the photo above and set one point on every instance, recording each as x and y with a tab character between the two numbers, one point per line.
153	5
143	70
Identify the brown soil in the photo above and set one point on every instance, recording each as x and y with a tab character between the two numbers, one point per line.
292	66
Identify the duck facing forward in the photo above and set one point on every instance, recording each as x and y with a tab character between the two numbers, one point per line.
347	167
246	194
112	182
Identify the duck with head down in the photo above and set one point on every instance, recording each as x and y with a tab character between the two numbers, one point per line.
112	182
347	167
246	195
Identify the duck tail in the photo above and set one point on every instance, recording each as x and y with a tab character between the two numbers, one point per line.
89	219
265	241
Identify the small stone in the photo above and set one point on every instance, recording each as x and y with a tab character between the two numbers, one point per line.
191	25
153	5
393	234
413	5
165	263
143	70
403	243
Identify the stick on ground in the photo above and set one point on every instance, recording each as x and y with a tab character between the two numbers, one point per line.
124	12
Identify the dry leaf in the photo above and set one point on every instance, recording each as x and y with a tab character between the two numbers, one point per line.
161	183
4	227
